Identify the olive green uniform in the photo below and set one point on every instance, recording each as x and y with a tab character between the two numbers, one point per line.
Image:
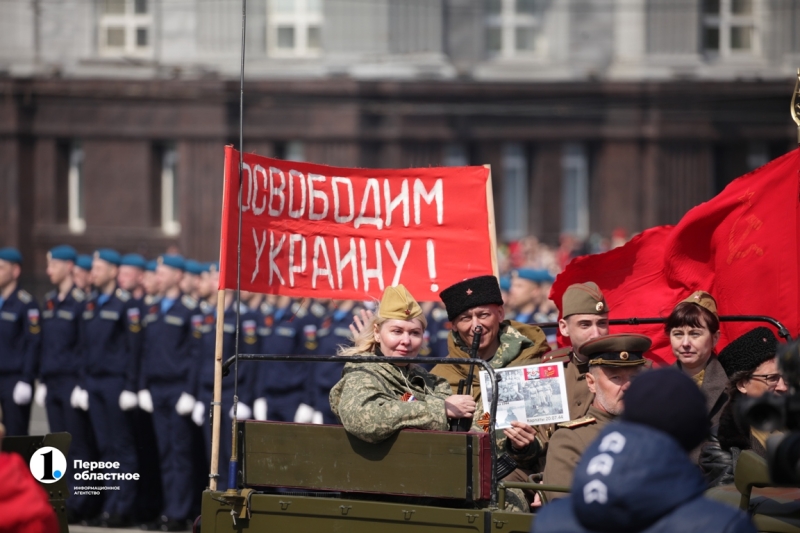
568	444
369	400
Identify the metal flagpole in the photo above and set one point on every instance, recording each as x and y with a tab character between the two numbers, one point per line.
796	105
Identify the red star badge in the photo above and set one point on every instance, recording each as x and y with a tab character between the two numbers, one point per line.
469	291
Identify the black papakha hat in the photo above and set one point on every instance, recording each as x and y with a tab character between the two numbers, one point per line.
749	351
668	400
472	292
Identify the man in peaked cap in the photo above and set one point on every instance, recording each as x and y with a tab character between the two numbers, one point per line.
20	334
60	369
111	327
167	388
613	361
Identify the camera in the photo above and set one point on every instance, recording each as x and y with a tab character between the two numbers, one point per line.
771	413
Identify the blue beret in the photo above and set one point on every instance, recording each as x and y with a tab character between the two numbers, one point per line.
11	255
194	267
173	260
134	260
84	262
505	283
108	255
151	266
537	275
63	253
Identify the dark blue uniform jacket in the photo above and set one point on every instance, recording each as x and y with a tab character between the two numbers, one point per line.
638	479
61	335
20	334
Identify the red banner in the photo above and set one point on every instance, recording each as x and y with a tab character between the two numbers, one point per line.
348	233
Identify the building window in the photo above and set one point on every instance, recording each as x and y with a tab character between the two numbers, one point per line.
729	27
455	155
75	185
512	27
515	192
125	28
170	214
294	28
575	190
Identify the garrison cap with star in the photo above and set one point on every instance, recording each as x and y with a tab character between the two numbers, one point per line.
10	255
618	349
583	299
398	303
703	299
472	292
63	252
109	256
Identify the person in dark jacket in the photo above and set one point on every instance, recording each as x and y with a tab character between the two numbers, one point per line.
693	332
637	475
749	361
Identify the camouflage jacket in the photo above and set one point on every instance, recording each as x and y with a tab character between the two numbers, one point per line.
374	400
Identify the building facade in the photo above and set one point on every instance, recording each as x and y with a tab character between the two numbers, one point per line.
594	114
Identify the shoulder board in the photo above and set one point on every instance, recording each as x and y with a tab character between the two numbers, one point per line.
78	294
266	309
298	311
205	308
578	422
24	296
318	310
123	295
188	301
51	295
560	355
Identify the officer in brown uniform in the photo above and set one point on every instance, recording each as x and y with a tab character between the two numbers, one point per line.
613	360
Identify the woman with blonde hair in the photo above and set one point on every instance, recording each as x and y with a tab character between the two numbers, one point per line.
375	400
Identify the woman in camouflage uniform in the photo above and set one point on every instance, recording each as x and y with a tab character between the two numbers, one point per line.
374	400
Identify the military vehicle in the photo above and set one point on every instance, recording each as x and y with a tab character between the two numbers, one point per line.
318	478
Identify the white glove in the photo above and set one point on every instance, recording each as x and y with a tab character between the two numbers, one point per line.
74	398
185	404
40	395
243	412
304	414
83	400
128	400
145	401
199	413
260	409
22	393
317	418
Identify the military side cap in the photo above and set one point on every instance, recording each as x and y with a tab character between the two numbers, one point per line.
398	303
84	262
536	275
11	255
703	299
583	299
748	351
173	261
472	292
619	349
134	260
193	267
108	255
505	283
150	266
64	252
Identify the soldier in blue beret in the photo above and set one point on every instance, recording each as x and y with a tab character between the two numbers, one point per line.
167	387
150	284
60	370
191	278
20	339
111	328
131	271
206	331
527	297
81	273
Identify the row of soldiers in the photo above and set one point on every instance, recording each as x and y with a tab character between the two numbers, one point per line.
123	349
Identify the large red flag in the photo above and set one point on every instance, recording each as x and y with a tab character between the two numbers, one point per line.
741	246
